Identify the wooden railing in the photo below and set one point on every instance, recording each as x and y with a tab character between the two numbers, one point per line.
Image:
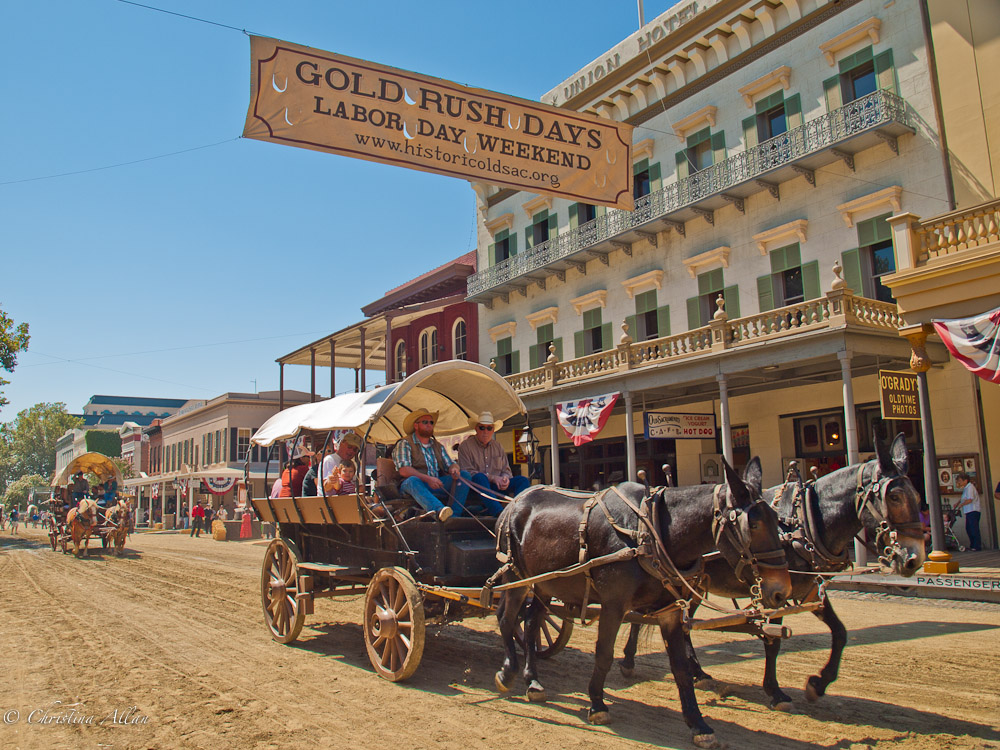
959	230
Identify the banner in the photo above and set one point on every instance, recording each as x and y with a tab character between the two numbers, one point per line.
583	419
308	98
975	342
218	485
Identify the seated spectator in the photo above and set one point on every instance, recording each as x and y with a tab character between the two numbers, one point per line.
341	481
429	474
295	472
482	456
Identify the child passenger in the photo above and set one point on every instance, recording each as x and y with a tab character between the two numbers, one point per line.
341	480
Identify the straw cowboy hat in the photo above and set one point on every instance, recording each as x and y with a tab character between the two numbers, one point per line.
416	414
485	418
351	438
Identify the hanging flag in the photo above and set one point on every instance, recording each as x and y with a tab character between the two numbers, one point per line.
585	418
975	342
218	485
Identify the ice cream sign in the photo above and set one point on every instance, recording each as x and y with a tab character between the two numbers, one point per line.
661	424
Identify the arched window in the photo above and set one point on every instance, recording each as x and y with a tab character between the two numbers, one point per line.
428	346
400	360
460	341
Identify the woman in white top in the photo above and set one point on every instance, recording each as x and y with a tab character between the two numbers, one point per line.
970	506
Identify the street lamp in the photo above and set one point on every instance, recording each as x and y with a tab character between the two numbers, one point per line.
529	447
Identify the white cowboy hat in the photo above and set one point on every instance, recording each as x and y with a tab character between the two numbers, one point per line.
414	415
486	418
351	438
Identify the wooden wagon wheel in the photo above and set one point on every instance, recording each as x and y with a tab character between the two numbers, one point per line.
53	534
394	624
279	587
553	634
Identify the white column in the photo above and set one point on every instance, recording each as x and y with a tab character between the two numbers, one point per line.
726	427
554	426
630	475
851	435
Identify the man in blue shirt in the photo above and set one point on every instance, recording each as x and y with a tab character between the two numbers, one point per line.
429	474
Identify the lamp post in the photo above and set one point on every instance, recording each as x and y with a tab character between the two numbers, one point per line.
529	447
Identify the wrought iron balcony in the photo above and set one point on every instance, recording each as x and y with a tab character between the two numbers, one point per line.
878	117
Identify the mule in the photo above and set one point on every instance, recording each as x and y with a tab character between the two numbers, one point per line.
81	521
545	529
119	518
819	522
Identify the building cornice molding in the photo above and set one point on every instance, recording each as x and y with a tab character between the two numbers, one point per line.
890	197
781	75
643	283
598	298
716	258
793	229
869	28
540	318
503	330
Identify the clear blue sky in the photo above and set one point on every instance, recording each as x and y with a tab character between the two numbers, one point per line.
187	275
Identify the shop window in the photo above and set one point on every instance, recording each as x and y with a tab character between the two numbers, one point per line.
789	282
503	247
507	360
595	336
539	352
460	344
543	227
649	321
865	267
703	149
860	74
428	346
701	309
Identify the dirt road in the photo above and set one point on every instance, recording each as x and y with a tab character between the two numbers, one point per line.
165	648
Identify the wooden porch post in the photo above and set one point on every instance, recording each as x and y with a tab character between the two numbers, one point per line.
362	356
333	368
312	374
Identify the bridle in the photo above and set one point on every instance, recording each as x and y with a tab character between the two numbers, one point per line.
872	496
733	524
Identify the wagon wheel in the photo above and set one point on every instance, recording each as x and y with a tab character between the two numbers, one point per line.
64	539
553	634
53	535
279	587
394	624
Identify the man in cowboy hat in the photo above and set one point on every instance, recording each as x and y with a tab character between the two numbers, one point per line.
347	450
429	474
481	455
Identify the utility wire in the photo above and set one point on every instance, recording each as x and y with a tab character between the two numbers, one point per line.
182	15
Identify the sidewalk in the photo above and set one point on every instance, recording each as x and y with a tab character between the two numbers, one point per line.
978	579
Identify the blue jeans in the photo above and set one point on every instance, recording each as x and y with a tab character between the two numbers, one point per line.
429	499
972	529
494	507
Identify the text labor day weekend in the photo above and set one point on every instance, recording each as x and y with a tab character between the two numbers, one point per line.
326	102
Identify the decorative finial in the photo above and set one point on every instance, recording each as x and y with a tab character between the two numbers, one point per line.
625	340
493	364
838	281
720	303
552	358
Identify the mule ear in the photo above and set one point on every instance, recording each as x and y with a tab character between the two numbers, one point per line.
752	475
740	496
885	463
900	458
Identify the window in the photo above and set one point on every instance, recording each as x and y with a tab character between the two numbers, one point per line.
649	321
218	447
645	178
460	344
702	309
503	247
775	116
539	353
400	360
208	448
508	360
581	213
595	336
428	346
865	267
187	457
860	74
704	149
789	282
543	226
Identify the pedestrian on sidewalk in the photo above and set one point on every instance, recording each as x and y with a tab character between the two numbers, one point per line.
970	506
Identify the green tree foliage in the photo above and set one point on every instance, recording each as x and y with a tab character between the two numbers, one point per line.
102	441
18	490
28	443
13	339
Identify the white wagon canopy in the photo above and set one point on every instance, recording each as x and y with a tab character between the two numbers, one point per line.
456	389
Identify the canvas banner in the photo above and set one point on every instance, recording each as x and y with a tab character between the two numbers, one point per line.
582	420
305	97
975	342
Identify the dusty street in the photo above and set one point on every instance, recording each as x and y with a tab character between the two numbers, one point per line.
174	629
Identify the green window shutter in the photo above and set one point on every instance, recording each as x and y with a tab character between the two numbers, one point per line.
493	254
732	297
574	212
655	182
640	166
885	72
750	132
785	258
515	362
718	147
503	347
810	280
600	211
831	90
512	245
632	330
557	343
578	345
851	260
765	293
793	111
682	164
663	321
646	301
533	356
777	260
544	333
553	225
529	237
694	313
606	342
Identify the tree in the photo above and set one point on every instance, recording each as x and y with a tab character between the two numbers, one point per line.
12	340
18	490
28	444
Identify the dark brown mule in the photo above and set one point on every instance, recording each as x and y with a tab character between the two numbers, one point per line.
545	529
819	522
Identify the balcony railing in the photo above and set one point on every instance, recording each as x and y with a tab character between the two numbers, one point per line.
959	230
869	112
836	308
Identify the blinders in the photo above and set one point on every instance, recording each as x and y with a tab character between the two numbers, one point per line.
872	496
733	524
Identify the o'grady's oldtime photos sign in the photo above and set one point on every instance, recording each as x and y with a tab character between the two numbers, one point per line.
304	97
899	395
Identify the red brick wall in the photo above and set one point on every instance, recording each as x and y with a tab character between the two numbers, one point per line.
444	321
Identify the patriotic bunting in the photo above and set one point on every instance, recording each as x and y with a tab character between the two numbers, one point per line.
583	419
975	342
218	485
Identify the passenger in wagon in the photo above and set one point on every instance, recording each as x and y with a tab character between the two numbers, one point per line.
292	476
347	450
481	455
429	474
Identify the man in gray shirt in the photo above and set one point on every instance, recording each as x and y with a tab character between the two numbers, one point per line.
481	455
